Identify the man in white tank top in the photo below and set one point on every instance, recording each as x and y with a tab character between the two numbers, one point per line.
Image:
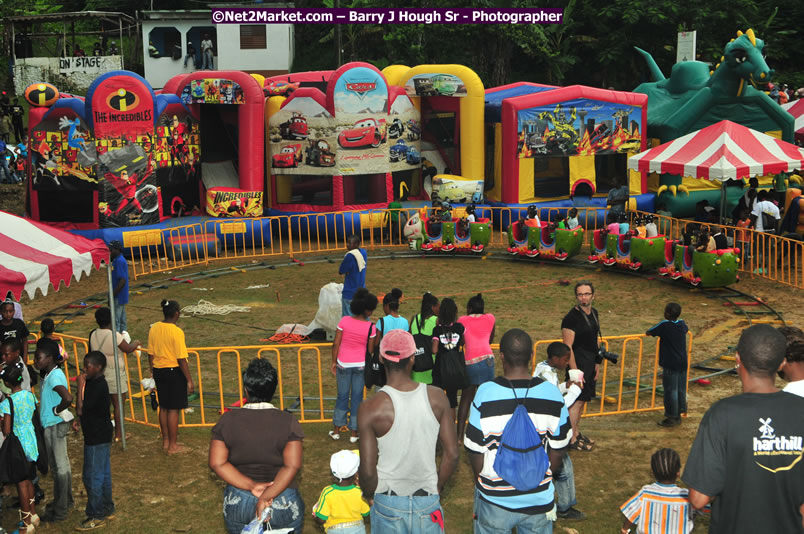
399	427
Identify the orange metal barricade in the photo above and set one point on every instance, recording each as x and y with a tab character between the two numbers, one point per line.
305	387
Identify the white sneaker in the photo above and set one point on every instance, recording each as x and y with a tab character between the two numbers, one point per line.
354	439
333	435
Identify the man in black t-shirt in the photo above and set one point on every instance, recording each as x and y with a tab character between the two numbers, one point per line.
11	328
746	458
579	330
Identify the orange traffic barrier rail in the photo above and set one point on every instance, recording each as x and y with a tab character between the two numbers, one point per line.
306	387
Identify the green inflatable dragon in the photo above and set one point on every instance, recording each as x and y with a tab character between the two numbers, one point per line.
694	97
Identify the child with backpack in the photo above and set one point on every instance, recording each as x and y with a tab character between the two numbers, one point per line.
18	411
449	371
421	327
672	334
660	505
340	507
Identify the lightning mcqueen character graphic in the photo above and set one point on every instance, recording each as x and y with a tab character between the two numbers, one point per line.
289	156
365	132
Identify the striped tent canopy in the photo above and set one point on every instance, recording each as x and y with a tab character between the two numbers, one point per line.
796	109
723	151
34	256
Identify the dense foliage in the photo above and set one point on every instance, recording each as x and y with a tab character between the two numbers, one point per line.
594	45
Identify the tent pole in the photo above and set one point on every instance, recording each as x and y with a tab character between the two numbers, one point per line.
722	202
119	407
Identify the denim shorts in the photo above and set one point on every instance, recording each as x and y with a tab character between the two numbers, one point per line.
406	515
240	507
480	372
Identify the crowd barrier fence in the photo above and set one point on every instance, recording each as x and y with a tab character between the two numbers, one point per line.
775	258
306	387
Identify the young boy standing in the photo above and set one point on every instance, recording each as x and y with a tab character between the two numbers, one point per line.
661	507
672	334
558	357
341	507
56	398
93	410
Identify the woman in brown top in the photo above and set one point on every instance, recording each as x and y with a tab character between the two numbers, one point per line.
257	451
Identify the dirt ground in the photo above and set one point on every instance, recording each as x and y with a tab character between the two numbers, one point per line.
156	493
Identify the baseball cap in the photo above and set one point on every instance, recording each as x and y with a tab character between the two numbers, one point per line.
397	345
344	464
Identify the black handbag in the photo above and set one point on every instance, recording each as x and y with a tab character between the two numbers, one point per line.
41	461
14	465
374	370
423	359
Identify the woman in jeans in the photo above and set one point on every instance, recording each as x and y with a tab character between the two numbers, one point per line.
478	335
257	451
354	336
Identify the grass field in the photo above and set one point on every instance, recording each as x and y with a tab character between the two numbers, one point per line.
156	493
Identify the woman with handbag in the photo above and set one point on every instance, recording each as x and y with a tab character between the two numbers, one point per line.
19	452
354	338
257	452
449	371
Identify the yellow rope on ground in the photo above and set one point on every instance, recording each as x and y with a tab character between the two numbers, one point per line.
204	307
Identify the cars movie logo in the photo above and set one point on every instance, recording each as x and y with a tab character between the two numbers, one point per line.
361	88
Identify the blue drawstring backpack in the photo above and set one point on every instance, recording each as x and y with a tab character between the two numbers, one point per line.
521	458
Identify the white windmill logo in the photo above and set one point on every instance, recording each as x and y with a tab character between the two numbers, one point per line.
766	429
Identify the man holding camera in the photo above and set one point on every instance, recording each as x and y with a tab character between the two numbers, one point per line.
579	330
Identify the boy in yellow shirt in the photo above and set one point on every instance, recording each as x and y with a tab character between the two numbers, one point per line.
341	507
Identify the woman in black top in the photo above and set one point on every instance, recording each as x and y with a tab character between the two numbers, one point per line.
448	335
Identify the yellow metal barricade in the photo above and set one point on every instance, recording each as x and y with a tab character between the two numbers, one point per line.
306	388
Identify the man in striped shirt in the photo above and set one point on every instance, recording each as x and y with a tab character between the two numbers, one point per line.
499	507
661	507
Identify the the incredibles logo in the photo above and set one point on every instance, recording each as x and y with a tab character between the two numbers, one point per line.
123	100
41	94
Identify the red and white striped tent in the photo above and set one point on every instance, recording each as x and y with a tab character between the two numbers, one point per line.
723	151
34	256
796	109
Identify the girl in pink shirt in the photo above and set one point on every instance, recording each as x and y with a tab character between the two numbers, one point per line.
478	335
354	336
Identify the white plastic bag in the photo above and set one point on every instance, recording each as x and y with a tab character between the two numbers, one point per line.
258	524
329	308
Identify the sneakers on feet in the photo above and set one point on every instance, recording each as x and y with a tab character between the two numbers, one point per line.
334	435
90	524
572	514
354	439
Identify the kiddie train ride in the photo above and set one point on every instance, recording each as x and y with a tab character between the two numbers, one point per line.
670	257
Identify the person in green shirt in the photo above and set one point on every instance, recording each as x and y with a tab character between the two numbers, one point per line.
423	323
